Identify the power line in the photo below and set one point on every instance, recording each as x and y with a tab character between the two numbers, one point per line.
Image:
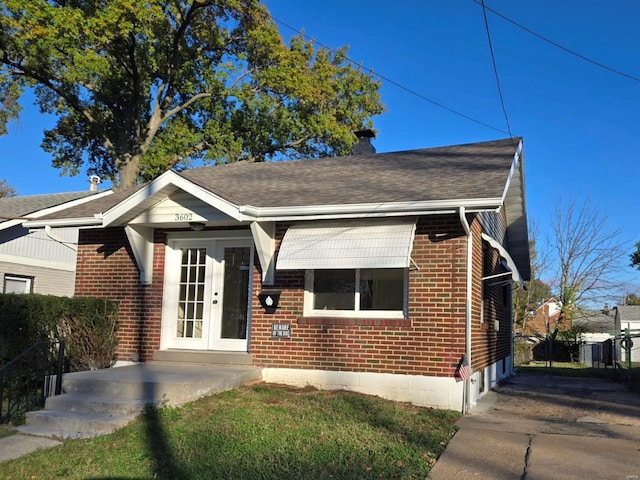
397	84
557	45
495	69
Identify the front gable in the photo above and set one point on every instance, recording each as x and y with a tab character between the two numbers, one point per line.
181	209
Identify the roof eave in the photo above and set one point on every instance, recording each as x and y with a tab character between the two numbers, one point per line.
34	222
65	222
369	210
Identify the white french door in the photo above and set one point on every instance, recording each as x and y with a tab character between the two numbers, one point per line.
207	294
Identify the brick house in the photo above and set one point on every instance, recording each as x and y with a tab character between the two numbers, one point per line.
373	272
545	318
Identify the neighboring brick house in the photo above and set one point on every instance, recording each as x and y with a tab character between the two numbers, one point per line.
545	318
372	272
40	261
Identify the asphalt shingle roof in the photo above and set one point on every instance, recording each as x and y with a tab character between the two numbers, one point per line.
596	321
629	313
470	171
23	206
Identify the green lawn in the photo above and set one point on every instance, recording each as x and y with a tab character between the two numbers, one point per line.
631	377
257	432
5	431
566	369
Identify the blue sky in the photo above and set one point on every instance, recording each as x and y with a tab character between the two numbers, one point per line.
580	122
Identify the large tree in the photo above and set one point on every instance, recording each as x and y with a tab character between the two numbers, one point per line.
142	87
587	254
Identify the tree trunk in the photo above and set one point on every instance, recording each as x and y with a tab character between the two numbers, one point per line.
128	172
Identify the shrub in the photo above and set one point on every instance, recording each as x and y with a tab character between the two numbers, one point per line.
88	327
90	334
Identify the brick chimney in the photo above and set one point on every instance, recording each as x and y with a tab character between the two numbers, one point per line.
364	145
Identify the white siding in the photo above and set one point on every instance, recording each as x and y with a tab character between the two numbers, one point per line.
36	245
46	281
49	263
494	224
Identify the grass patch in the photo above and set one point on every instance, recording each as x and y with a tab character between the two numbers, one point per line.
6	431
565	369
258	432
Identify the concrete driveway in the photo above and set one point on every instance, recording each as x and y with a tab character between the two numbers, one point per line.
547	427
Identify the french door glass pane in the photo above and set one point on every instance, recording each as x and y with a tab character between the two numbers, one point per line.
191	293
235	301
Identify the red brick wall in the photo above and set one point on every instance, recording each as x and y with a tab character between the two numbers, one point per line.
489	345
429	342
107	269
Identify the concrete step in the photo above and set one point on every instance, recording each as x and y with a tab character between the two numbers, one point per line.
210	357
63	425
159	382
99	402
90	403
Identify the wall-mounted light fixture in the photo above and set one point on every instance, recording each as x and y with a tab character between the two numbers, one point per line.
196	226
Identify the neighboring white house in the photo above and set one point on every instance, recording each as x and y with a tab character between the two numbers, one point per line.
628	316
38	261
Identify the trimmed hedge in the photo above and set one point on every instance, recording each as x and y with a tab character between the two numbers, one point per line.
87	325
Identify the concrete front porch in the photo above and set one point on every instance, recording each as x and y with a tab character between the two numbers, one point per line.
99	402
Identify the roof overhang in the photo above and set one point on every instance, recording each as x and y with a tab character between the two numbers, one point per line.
515	210
367	210
33	222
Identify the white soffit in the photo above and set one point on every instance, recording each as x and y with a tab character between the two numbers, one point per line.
515	274
380	243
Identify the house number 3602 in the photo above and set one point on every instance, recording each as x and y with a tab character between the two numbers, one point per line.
183	217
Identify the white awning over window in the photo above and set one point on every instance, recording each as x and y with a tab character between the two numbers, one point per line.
511	265
379	243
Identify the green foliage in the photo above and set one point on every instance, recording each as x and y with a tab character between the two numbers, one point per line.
572	334
142	87
522	351
259	432
87	325
635	257
89	330
523	299
25	320
6	431
632	299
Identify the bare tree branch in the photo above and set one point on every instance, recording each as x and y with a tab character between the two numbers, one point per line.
587	253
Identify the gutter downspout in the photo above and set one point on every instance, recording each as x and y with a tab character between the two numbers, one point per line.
467	329
49	231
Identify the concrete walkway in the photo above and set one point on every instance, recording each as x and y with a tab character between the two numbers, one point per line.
546	427
20	444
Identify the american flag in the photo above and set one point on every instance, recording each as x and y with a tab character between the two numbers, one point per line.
464	369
